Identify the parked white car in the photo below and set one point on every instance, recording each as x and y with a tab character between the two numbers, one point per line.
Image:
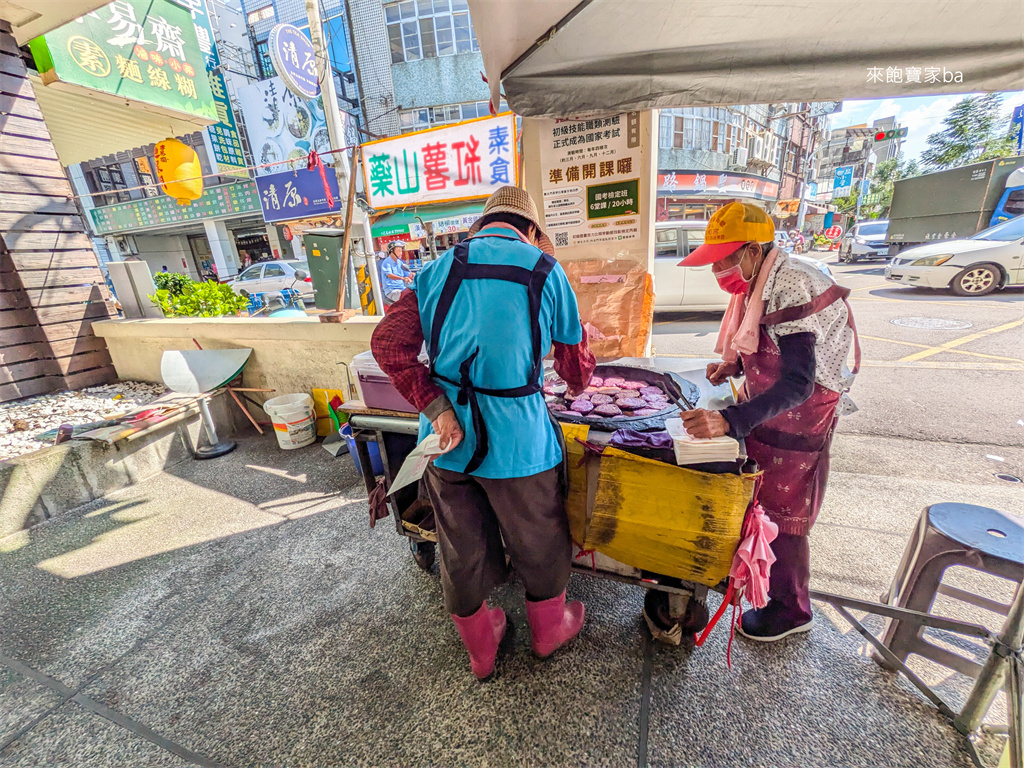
691	288
272	277
991	259
865	241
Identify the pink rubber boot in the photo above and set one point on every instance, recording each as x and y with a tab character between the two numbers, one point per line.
553	623
481	633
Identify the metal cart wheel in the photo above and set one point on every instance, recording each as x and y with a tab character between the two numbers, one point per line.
424	553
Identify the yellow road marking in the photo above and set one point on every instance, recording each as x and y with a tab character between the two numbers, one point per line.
940	303
944	366
951	351
961	341
870	287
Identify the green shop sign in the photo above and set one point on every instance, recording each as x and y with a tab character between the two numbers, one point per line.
143	50
621	198
215	202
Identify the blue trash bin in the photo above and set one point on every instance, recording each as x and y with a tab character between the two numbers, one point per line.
375	462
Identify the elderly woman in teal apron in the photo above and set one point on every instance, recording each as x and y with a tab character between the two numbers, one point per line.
788	331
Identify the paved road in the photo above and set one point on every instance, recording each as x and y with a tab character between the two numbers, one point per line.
937	367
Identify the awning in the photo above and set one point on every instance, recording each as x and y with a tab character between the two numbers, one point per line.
457	217
791	207
565	57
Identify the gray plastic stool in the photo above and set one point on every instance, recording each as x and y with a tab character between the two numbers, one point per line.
947	535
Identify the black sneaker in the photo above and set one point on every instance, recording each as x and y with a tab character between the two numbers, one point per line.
768	624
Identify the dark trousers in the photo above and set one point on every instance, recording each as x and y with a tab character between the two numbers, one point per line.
791	575
479	520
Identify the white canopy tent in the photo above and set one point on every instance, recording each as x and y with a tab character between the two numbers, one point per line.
557	58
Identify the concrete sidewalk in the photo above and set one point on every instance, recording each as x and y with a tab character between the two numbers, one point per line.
240	612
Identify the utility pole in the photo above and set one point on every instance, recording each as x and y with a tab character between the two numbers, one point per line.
328	93
871	158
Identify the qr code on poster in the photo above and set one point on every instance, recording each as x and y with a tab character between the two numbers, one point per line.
561	239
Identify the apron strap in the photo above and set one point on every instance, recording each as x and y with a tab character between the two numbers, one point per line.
831	295
534	281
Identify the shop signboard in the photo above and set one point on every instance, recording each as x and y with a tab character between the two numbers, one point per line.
446	226
216	202
294	60
282	126
843	184
590	179
224	139
141	50
464	161
297	194
709	185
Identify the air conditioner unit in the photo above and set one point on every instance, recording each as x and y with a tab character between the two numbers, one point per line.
126	245
740	156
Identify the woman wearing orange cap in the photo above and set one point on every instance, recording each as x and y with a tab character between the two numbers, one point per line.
788	330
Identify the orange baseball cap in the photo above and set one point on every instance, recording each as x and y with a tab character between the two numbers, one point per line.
730	227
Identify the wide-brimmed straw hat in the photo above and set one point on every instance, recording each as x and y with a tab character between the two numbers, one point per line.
518	201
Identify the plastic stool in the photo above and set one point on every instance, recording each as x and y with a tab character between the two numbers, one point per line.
948	535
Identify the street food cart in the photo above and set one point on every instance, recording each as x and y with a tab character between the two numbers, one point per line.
620	504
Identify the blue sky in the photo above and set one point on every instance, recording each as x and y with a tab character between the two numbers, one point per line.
921	114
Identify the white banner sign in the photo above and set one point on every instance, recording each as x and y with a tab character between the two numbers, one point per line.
591	179
456	162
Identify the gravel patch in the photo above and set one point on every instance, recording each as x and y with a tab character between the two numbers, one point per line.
22	420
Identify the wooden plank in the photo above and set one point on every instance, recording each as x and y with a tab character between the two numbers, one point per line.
30	166
7	42
20	106
40	278
48	333
12	65
70	313
40	222
12	183
48	297
9	374
27	242
22	389
20	145
27	127
13	85
104	375
42	350
14	300
13	318
74	364
59	204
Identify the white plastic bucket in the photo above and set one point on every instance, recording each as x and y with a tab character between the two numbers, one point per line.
293	419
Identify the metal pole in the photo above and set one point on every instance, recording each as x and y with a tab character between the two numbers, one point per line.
328	92
371	264
347	242
993	673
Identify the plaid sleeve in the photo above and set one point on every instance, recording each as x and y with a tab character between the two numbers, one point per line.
575	363
396	345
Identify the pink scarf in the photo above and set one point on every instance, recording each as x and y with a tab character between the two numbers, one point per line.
741	324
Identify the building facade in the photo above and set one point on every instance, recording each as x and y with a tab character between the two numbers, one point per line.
852	146
761	153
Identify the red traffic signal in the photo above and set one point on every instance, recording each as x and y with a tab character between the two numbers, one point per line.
880	136
895	133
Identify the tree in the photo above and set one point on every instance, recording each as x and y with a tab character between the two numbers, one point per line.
972	131
885	175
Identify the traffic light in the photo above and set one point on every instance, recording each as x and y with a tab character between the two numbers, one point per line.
895	133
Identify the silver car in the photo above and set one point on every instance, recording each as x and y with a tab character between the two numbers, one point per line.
271	277
691	288
865	241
